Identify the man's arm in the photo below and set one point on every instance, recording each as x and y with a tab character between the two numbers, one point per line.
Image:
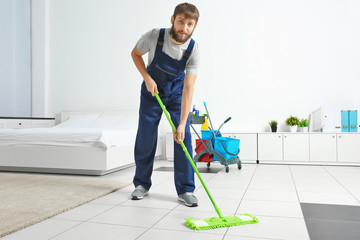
186	101
140	65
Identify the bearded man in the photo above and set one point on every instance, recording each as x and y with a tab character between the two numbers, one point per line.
173	60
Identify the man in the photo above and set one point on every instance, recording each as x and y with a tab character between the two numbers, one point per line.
172	68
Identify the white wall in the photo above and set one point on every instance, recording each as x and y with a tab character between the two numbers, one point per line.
15	58
260	60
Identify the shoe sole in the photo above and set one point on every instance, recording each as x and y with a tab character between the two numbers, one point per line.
138	198
186	204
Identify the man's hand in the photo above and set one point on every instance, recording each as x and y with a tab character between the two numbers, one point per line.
151	86
179	134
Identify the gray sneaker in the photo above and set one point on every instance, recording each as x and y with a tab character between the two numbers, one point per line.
188	199
139	193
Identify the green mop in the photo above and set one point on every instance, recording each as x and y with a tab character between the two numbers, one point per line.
215	222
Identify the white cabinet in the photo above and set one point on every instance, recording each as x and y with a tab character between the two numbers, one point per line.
322	147
283	147
348	147
296	147
248	145
307	148
270	147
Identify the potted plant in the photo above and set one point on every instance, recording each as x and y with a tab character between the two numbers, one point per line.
273	125
293	123
303	125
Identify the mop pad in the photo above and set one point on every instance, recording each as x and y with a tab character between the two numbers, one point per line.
215	222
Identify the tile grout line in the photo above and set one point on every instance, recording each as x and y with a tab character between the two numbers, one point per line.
341	184
82	222
297	194
242	198
292	177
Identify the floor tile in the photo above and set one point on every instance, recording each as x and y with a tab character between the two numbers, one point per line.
231	181
130	216
205	205
178	235
154	200
271	195
273	227
84	212
114	198
270	192
328	198
224	192
96	231
43	230
271	208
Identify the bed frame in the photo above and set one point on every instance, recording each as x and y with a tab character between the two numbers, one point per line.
84	160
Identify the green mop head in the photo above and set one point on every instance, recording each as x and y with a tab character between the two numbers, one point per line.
217	222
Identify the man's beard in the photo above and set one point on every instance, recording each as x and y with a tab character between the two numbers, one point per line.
177	37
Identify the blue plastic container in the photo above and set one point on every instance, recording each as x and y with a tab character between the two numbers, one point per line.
231	145
207	134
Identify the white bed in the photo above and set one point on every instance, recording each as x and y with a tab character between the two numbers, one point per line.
83	143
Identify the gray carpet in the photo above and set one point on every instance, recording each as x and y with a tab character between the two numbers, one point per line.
332	222
26	199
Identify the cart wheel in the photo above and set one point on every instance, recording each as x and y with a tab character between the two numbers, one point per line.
227	169
239	166
208	164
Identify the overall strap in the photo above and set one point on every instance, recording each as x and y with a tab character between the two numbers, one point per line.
188	51
160	41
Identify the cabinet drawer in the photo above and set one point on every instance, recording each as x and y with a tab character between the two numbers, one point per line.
16	123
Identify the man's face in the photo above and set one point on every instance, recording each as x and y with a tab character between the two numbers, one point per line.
182	28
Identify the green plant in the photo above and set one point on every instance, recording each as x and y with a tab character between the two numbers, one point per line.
303	123
292	121
273	123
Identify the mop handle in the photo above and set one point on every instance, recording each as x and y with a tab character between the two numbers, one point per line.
188	156
208	115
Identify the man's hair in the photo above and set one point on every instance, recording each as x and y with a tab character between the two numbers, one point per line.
188	9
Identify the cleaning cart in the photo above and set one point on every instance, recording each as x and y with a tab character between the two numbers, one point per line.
212	147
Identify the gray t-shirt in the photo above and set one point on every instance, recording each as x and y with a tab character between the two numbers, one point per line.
147	44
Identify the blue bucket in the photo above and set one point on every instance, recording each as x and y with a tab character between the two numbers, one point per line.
207	134
231	145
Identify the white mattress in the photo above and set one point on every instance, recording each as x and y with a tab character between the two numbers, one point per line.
89	130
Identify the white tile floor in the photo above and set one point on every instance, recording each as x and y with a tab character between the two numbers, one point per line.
271	192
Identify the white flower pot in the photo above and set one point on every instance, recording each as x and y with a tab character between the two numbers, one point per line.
304	129
293	128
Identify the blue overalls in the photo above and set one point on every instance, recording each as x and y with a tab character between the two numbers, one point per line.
169	75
